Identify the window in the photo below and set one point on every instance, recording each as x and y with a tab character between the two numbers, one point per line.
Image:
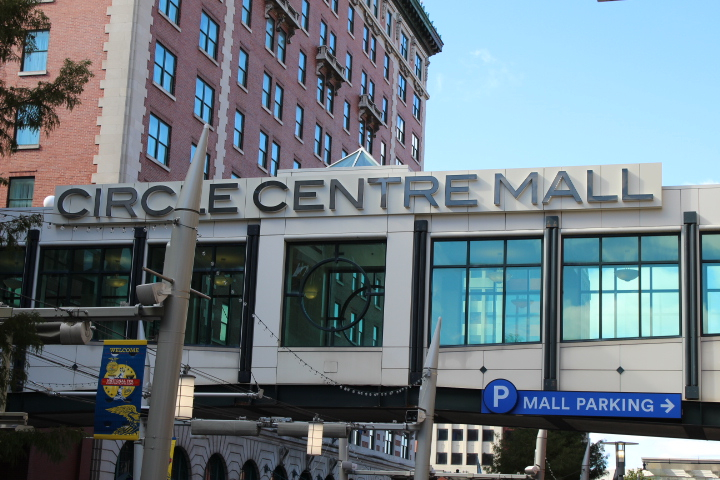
218	271
330	98
710	254
416	106
348	67
388	446
208	35
88	276
383	153
263	151
442	434
164	71
388	23
373	48
488	435
487	459
343	153
415	151
278	106
318	140
351	20
404	45
302	67
206	168
334	5
320	94
204	100
371	90
366	39
243	68
171	9
457	435
456	458
471	459
400	129
418	66
386	67
274	159
296	165
246	12
299	121
239	133
404	446
35	51
489	290
267	86
25	135
12	266
270	33
402	86
305	15
215	469
441	458
384	110
158	144
20	194
363	83
473	434
361	133
327	150
281	44
333	43
310	293
323	33
346	115
375	7
621	287
398	161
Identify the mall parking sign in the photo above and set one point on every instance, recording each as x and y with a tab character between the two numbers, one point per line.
501	396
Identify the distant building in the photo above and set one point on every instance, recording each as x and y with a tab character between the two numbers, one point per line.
467	448
680	468
283	83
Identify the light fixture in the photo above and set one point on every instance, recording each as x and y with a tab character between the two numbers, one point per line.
619	457
13	283
627	274
116	281
311	290
222	280
496	276
315	436
185	396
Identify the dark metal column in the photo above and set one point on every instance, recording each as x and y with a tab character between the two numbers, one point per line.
417	312
136	273
249	292
691	259
550	298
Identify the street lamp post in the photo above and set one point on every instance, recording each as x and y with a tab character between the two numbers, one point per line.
619	458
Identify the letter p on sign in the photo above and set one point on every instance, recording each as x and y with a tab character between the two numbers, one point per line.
501	393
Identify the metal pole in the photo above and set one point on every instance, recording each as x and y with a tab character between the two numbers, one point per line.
540	449
178	266
585	471
342	457
426	402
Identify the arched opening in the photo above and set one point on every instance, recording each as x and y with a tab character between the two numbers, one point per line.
249	471
305	475
181	465
216	469
125	461
279	473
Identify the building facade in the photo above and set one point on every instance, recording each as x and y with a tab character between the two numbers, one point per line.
467	448
283	83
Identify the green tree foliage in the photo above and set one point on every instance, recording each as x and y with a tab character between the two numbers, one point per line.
635	474
54	443
18	334
564	455
33	107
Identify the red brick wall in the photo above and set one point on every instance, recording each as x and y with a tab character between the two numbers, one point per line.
65	156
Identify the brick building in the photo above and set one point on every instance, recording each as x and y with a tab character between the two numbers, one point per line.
283	83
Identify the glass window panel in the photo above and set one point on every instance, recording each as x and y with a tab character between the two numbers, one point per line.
450	253
522	307
623	278
485	305
660	314
711	247
487	252
448	302
711	310
620	314
620	249
524	251
581	303
663	248
660	277
12	261
581	250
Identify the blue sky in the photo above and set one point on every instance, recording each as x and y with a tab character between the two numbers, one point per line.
529	83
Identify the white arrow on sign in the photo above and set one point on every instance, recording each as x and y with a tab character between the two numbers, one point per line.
668	405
